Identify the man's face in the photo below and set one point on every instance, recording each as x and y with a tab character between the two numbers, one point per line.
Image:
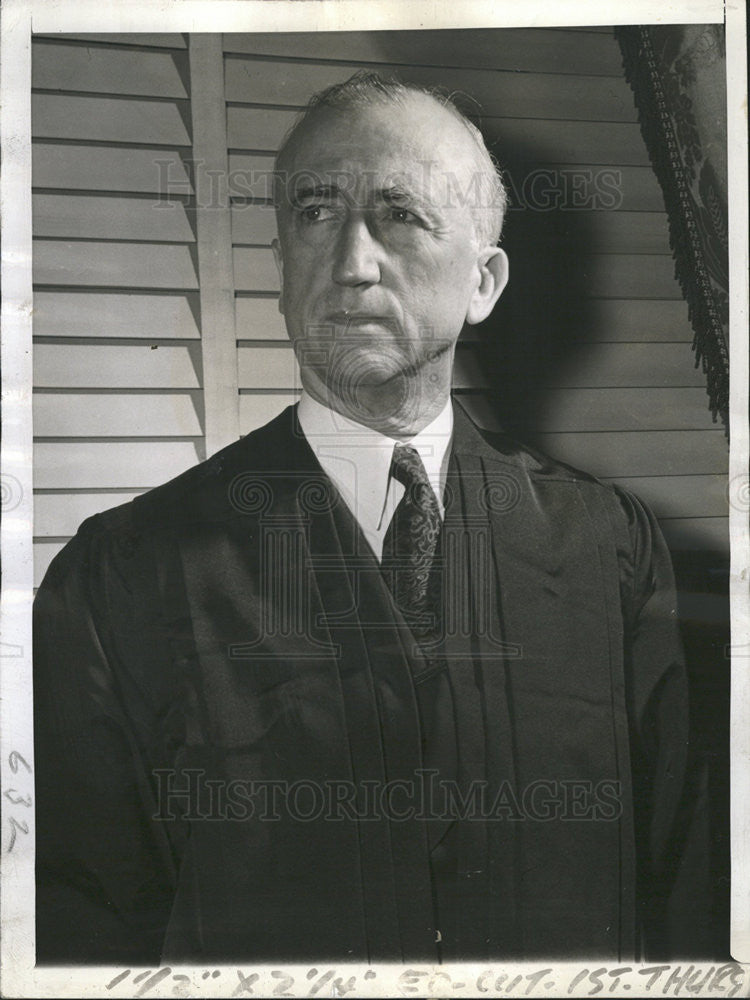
378	255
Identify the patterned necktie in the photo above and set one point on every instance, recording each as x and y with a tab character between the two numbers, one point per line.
411	539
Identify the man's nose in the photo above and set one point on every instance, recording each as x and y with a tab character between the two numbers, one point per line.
357	260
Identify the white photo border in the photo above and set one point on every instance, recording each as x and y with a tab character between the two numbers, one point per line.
19	18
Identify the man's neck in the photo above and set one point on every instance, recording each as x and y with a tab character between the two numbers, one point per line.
401	424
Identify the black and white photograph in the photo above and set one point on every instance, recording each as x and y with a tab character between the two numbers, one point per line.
381	514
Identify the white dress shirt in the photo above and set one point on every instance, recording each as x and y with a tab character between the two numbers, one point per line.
358	459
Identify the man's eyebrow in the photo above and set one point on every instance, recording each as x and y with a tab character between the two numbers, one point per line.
396	195
315	191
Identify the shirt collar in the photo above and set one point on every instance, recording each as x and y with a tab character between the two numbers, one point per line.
358	458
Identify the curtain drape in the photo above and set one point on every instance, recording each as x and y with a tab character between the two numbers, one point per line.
677	73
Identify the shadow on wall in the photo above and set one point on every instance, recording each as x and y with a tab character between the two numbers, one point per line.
538	329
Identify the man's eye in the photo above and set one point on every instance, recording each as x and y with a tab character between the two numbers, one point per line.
315	213
402	215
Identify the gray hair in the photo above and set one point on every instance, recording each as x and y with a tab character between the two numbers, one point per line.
364	89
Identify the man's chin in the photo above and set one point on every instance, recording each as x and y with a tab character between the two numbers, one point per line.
357	371
374	386
377	400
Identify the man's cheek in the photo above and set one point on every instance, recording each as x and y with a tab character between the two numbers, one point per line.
424	309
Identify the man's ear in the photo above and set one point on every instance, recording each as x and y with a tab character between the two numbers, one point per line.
493	269
276	247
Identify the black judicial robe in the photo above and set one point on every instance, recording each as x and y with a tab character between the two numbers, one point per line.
219	663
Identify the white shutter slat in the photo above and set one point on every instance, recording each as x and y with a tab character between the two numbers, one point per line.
561	141
115	415
108	119
268	368
107	70
93	217
114	265
100	168
497	91
111	314
258	128
104	366
251	175
253	223
524	49
259	319
122	465
255	270
141	40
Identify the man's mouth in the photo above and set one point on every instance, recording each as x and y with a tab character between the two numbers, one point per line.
345	317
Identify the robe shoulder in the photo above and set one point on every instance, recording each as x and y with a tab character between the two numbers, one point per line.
627	512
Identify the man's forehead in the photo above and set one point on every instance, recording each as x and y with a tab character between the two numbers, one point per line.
412	126
410	147
382	183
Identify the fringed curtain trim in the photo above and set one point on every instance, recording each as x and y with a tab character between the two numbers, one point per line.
680	135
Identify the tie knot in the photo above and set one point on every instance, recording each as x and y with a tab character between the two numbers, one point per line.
407	466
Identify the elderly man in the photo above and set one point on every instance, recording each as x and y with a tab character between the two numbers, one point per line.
368	684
